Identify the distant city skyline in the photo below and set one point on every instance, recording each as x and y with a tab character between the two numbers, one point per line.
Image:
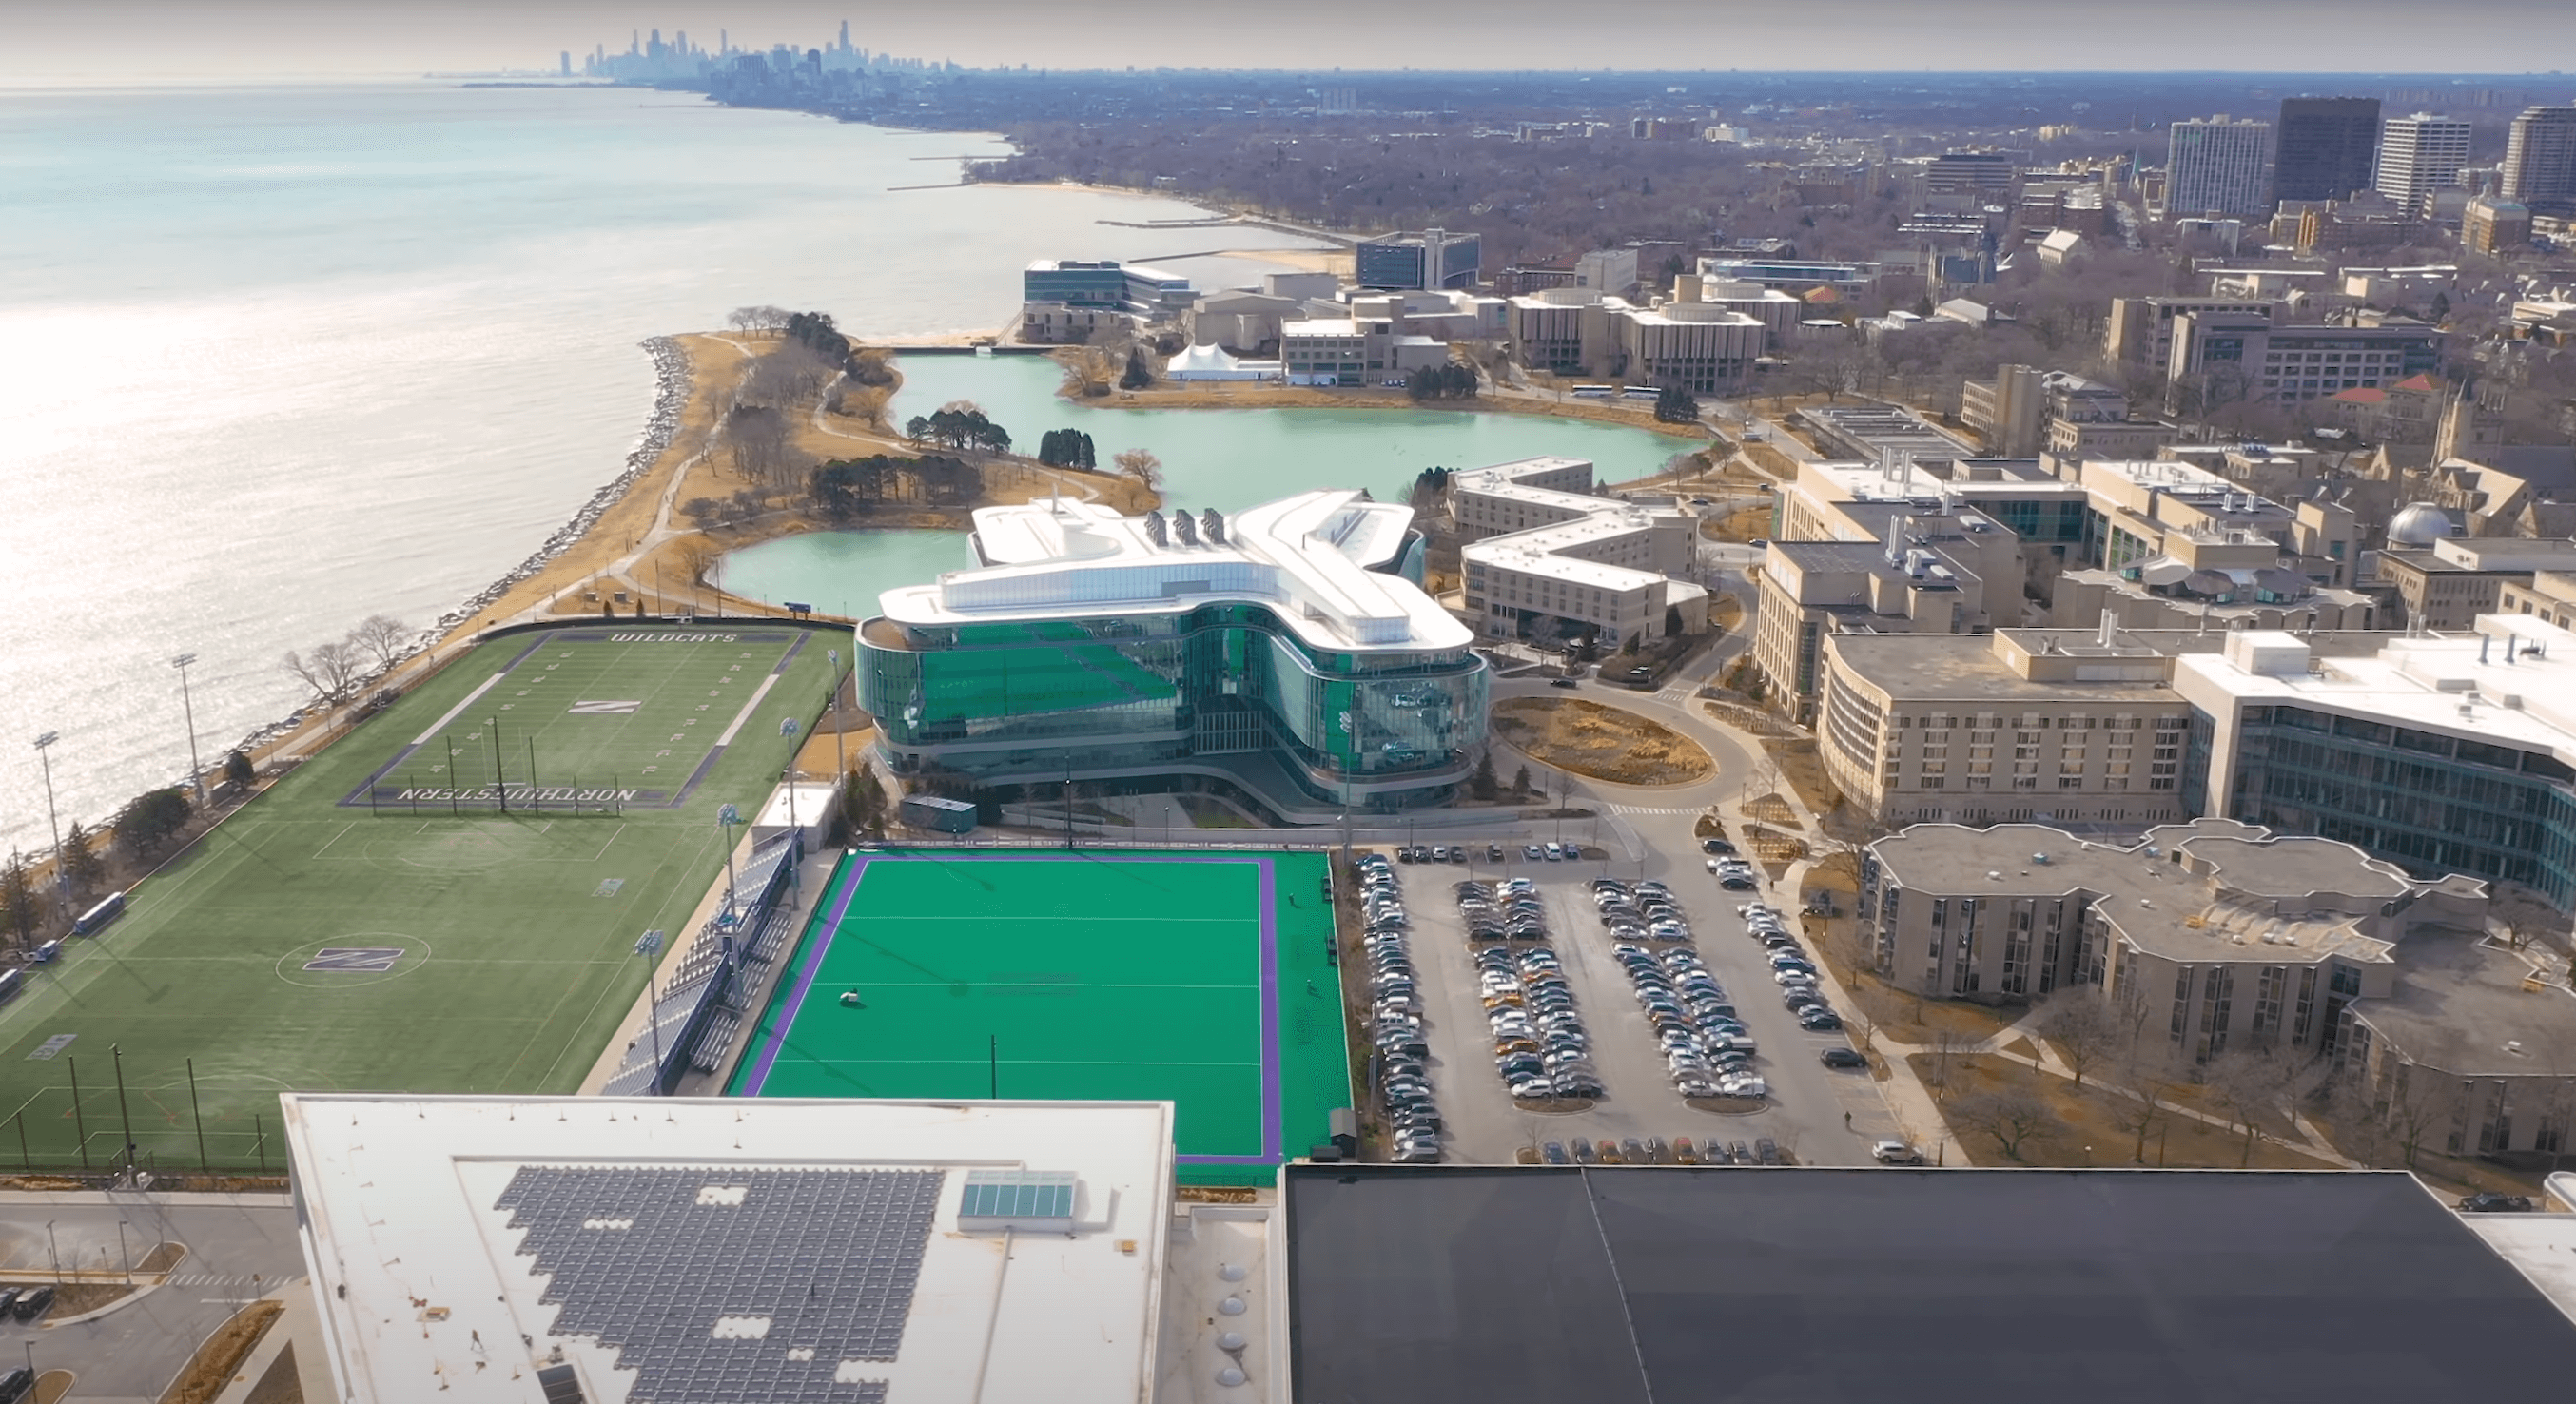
142	40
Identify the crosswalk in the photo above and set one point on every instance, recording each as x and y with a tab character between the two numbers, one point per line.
1678	692
216	1279
1647	809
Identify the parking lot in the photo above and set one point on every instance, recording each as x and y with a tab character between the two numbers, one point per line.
1803	1113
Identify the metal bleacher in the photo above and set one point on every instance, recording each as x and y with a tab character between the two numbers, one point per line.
727	1286
697	991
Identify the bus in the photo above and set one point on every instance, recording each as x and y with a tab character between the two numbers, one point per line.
108	909
1595	392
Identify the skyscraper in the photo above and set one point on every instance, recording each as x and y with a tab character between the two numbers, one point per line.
2325	148
2540	160
2219	165
2420	154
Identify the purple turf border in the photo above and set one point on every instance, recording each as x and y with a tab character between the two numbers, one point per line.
805	982
1273	1064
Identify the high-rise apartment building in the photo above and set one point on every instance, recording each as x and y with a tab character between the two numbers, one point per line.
2420	154
2325	148
2540	160
2219	165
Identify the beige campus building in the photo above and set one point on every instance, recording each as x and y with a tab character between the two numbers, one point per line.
2045	725
1544	557
2216	936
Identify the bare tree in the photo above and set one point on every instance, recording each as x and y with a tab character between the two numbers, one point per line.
1143	466
383	636
2085	1031
2148	1069
791	374
330	670
2242	1082
2013	1116
757	437
1946	1045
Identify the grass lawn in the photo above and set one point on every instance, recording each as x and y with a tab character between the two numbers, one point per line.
1200	979
374	921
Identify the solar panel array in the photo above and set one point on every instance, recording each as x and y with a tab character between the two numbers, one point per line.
648	1260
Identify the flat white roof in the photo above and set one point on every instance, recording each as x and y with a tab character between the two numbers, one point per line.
1308	556
1584	521
2450	684
426	1283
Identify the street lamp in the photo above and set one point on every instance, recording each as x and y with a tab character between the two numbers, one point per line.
123	1253
196	771
62	870
53	1252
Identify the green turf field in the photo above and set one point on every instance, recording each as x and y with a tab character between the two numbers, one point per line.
470	949
1076	976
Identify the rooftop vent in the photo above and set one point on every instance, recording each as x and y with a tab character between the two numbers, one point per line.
2039	858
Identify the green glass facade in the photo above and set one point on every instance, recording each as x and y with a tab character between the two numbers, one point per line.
2428	802
1027	700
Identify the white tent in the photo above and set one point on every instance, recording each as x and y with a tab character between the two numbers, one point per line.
1210	362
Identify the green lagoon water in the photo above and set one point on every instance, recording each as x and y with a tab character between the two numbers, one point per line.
1228	459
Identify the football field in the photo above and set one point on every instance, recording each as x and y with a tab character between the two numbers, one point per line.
446	900
1202	979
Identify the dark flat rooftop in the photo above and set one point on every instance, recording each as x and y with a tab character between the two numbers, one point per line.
1666	1286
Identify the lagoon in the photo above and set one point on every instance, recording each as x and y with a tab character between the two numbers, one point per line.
1228	459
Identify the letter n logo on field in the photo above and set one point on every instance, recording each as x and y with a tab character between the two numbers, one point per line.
354	958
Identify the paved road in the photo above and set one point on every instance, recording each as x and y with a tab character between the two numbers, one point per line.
240	1248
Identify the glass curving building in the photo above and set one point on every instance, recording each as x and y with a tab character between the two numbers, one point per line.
1283	654
2442	753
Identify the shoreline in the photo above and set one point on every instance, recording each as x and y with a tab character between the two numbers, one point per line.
674	445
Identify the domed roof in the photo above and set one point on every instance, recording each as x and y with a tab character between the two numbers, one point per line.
2421	524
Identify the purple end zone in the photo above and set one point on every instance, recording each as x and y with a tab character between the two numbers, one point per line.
1273	1097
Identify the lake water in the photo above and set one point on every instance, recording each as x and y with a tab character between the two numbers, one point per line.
276	359
1228	459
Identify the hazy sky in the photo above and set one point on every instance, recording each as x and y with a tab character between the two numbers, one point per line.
91	40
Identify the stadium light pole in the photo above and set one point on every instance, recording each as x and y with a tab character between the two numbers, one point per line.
645	946
840	753
500	783
188	706
62	870
726	818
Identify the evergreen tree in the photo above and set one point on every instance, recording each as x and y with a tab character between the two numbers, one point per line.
82	867
1137	375
1520	781
19	913
239	770
151	820
1676	406
1482	784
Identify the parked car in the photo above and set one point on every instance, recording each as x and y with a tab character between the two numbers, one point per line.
1843	1058
32	1302
1895	1153
2490	1202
